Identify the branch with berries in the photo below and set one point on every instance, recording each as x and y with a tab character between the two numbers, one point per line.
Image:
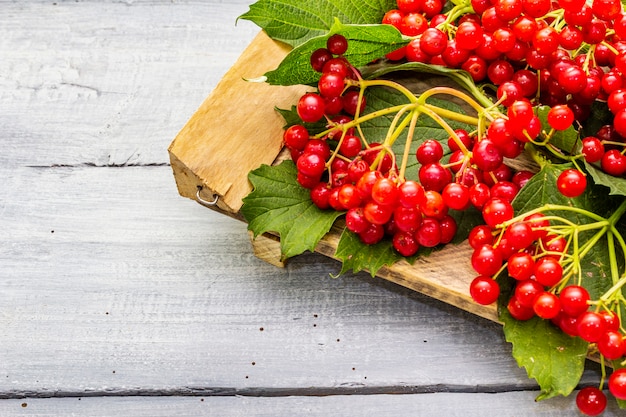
410	171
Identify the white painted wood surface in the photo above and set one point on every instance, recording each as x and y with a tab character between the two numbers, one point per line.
119	297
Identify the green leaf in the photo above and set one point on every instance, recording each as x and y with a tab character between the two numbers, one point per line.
616	185
357	256
279	204
296	21
365	44
599	116
555	360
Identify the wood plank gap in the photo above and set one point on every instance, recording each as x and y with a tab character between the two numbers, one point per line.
352	389
94	165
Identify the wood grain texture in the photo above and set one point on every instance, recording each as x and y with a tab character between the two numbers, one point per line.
125	287
411	405
114	285
235	130
119	297
111	81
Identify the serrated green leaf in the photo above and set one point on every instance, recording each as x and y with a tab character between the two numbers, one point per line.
555	360
616	185
279	204
542	189
365	44
357	256
296	21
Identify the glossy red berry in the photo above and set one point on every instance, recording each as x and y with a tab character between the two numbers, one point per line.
548	271
486	260
433	41
311	107
546	305
337	44
591	326
617	383
574	300
611	345
592	149
296	137
526	291
613	162
497	211
560	117
571	183
591	401
484	290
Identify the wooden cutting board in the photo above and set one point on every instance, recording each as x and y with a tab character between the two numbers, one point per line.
236	129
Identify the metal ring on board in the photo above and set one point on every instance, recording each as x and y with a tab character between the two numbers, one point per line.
205	202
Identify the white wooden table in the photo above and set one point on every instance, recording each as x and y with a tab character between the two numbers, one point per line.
120	298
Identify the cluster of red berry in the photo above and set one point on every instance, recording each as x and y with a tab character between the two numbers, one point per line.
346	173
566	54
536	260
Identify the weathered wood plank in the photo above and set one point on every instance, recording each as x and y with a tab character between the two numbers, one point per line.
235	130
109	276
411	405
113	284
109	83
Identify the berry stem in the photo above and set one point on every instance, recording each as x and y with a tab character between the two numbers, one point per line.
387	83
358	120
407	145
452	115
432	114
455	93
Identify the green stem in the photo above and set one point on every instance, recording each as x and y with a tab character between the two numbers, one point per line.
452	115
457	11
612	258
620	240
396	131
407	145
391	84
455	93
466	81
446	127
616	287
355	122
577	210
